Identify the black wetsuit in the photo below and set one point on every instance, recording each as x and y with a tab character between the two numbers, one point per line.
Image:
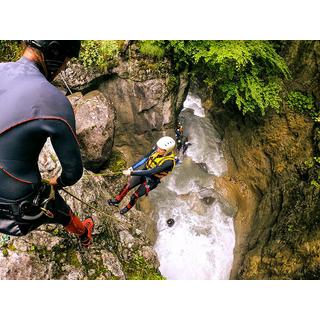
32	110
145	178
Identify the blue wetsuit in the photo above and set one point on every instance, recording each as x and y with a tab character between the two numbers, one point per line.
32	110
145	178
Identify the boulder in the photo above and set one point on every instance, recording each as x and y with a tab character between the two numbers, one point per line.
78	77
95	128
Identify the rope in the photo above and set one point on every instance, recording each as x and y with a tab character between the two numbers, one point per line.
64	81
83	202
94	208
107	174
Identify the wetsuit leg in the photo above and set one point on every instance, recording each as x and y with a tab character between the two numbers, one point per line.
133	182
62	214
143	189
72	224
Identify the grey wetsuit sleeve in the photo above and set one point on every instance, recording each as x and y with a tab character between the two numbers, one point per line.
67	149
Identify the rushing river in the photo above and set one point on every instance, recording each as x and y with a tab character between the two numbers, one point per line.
200	243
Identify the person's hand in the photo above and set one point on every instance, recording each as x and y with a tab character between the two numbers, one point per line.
127	172
53	181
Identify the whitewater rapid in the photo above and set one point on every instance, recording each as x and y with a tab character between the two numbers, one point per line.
200	243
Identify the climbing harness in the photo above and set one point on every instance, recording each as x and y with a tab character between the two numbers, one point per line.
24	208
43	205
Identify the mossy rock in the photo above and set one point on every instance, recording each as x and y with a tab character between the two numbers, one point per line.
139	269
5	252
116	162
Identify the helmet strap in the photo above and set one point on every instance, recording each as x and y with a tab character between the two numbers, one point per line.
52	67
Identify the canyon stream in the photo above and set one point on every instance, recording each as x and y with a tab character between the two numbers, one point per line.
199	245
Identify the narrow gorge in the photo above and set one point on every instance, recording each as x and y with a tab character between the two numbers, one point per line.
243	196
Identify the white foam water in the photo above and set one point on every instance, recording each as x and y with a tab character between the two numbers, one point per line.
200	243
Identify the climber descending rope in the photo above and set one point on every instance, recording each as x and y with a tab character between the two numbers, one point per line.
182	139
159	162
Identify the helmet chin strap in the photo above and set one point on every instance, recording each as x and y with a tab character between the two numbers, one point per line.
49	67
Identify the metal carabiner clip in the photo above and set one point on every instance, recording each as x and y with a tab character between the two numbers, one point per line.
43	207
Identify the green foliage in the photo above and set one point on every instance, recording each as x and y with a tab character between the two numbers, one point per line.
309	163
172	83
10	50
101	54
152	49
247	74
4	239
251	92
314	165
116	162
139	269
303	103
315	183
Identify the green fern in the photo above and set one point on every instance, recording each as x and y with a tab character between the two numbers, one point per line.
303	103
248	74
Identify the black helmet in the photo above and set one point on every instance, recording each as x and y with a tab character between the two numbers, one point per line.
55	52
66	48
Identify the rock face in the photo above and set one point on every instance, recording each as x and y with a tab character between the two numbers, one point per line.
303	58
95	128
79	78
145	94
277	223
120	249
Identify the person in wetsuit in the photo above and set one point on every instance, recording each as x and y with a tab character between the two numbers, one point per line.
32	110
182	140
159	162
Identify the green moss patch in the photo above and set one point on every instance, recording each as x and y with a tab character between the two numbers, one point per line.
139	269
116	162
